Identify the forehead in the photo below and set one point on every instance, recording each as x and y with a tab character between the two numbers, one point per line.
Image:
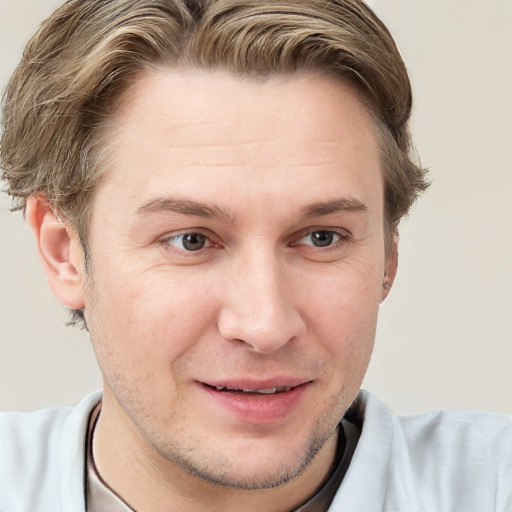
204	133
183	97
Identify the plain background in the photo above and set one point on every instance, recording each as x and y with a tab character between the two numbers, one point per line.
445	333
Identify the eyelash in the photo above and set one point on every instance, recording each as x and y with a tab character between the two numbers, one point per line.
208	240
342	236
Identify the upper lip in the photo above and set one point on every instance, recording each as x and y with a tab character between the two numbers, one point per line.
258	384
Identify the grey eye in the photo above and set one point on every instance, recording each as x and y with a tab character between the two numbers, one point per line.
322	238
189	241
194	241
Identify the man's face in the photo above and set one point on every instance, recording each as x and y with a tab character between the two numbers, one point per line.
237	267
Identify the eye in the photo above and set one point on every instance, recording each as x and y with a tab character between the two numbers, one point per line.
321	238
189	241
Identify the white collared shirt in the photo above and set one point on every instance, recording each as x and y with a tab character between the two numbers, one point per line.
435	462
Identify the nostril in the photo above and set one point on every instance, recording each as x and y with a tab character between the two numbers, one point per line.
265	325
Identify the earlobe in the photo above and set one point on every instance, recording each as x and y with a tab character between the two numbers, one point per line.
59	251
391	269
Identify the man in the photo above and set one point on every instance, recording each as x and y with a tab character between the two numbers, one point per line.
215	189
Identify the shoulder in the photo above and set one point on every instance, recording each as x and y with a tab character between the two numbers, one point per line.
19	428
42	455
443	461
460	435
451	460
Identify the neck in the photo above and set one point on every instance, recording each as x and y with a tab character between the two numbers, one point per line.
148	482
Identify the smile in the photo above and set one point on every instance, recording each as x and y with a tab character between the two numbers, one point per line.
268	391
263	402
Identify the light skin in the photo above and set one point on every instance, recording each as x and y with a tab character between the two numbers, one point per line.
236	242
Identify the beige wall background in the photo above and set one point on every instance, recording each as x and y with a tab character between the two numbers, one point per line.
445	333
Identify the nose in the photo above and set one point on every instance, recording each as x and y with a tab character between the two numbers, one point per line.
258	306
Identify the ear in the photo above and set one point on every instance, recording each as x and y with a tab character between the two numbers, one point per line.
60	252
391	268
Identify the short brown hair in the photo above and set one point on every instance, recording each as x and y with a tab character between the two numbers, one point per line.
77	66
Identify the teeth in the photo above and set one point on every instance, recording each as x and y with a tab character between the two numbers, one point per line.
268	391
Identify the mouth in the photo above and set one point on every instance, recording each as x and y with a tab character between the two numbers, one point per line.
258	402
251	391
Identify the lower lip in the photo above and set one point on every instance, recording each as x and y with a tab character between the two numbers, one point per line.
258	408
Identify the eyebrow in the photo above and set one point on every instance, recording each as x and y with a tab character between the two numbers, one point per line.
345	204
188	207
185	207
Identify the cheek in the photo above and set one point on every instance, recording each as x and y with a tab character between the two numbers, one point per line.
154	315
347	294
341	309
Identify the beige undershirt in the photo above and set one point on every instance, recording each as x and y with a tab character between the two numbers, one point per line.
100	497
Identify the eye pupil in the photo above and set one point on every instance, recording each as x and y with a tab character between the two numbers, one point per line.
193	241
322	238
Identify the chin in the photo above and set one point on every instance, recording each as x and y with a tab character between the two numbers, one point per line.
250	464
265	473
